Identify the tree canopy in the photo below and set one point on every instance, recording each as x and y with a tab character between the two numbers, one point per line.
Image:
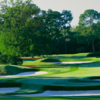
88	18
27	30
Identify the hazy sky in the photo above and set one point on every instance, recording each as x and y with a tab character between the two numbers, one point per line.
76	7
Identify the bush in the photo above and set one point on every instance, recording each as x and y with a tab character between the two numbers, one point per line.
14	60
19	61
96	54
3	59
9	59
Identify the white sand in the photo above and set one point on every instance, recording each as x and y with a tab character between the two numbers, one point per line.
26	74
96	79
66	93
78	62
7	90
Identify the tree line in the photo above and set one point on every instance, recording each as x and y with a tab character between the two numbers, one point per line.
26	30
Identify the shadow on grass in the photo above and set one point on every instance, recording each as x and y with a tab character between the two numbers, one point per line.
50	60
58	83
12	70
29	60
67	57
94	77
92	64
73	68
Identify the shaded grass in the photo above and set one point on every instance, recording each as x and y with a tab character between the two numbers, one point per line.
57	79
12	70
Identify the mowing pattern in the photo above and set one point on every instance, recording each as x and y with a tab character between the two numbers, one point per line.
84	77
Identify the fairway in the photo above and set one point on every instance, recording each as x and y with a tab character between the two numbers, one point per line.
72	79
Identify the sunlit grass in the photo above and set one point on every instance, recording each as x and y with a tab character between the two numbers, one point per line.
59	77
52	98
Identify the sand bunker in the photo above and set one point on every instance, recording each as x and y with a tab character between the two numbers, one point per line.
26	74
96	79
7	90
66	93
78	62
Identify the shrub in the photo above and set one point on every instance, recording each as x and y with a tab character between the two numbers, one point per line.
19	61
14	60
3	59
9	59
96	54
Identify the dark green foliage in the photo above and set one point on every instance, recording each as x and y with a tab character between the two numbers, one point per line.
26	30
19	61
9	59
14	60
81	49
3	59
87	19
96	54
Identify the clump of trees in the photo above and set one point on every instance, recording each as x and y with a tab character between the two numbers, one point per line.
8	59
88	31
26	30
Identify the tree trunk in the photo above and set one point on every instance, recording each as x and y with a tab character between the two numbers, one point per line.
57	45
93	48
65	47
91	22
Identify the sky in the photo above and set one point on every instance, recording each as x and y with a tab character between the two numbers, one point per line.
76	7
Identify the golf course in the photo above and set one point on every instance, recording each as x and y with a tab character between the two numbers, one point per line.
49	49
55	77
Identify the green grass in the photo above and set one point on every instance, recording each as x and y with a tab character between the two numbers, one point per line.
59	77
69	55
12	69
52	98
62	58
71	59
65	78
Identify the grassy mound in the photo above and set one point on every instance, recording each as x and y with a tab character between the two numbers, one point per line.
12	70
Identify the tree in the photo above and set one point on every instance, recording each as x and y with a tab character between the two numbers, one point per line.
88	18
56	22
14	39
26	30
